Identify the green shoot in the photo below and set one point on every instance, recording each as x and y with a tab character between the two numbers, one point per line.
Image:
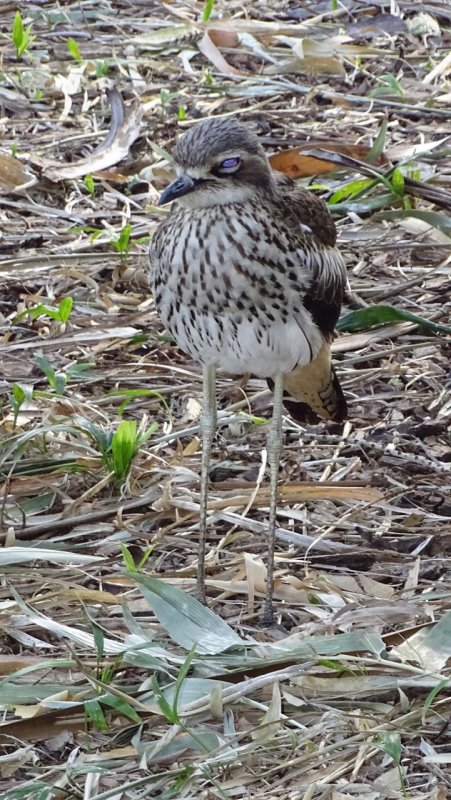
21	35
123	243
171	712
390	743
166	97
58	379
119	449
20	394
74	49
88	180
129	561
60	314
388	85
181	113
14	149
397	182
95	715
207	77
102	68
125	444
208	8
378	144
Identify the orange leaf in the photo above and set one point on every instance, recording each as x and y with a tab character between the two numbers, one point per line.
294	164
223	38
14	177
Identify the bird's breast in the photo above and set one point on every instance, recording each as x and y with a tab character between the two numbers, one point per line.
228	284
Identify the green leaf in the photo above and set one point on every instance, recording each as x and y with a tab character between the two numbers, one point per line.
390	743
21	36
128	558
366	318
363	206
388	85
46	367
88	180
165	707
208	8
17	30
350	189
187	621
397	181
64	308
95	714
378	145
434	218
99	639
74	49
124	446
121	706
182	676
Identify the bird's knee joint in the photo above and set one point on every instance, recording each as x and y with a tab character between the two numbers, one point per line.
207	426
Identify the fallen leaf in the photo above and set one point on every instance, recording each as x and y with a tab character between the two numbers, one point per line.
124	129
14	177
296	165
211	52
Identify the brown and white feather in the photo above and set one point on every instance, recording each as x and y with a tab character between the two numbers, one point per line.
246	273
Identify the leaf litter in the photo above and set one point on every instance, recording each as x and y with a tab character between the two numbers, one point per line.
115	681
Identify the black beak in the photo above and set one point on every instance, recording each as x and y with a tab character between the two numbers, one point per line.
181	186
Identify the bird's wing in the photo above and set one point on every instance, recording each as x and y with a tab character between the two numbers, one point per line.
314	387
309	217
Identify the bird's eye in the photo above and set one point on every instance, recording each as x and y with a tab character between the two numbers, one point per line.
230	164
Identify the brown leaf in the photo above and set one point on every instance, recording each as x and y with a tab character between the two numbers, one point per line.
221	37
124	129
296	165
210	51
14	177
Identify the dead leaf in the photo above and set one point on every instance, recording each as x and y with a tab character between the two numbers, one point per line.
223	37
211	52
124	129
14	177
296	165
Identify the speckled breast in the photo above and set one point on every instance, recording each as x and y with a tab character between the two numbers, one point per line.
228	283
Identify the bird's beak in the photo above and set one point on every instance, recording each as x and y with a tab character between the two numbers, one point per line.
183	185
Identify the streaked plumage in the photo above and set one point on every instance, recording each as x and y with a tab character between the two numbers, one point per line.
245	271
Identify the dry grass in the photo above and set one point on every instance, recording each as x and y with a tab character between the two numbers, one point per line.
118	686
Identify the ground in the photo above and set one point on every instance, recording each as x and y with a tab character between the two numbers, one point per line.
116	683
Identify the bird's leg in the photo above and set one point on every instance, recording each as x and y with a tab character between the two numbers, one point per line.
207	429
274	448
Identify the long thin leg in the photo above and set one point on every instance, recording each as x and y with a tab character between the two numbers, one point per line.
274	447
207	428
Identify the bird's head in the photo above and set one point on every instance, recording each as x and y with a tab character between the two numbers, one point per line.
218	161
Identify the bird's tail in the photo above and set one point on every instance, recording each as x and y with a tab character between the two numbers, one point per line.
313	391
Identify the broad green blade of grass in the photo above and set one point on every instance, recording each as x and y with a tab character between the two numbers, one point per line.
366	318
350	189
378	144
187	621
434	218
362	206
430	646
120	705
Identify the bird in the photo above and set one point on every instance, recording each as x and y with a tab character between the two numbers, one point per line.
247	278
